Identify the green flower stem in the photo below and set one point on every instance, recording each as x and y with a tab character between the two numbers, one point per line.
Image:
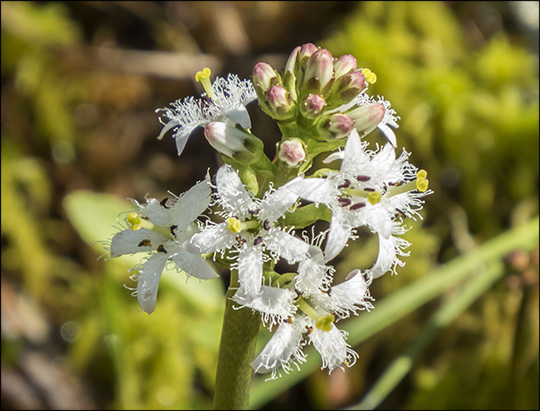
236	351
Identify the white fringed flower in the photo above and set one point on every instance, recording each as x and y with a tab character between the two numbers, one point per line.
249	228
314	322
372	189
160	228
224	100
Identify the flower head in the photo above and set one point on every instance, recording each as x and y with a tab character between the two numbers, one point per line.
249	229
372	188
308	315
160	228
224	100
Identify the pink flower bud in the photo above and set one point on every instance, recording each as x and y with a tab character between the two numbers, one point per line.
225	138
337	126
367	117
306	51
312	105
279	103
264	76
292	69
348	87
319	72
292	152
343	65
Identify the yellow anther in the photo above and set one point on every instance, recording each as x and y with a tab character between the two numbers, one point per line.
134	220
370	76
234	225
422	183
325	322
374	197
203	77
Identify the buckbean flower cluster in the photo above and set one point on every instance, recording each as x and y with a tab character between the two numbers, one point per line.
267	208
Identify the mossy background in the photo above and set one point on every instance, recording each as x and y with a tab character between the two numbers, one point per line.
80	83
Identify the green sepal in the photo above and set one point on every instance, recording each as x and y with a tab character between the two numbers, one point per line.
224	261
279	280
284	280
249	178
307	215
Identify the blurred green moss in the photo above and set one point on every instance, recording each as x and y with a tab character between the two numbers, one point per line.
470	118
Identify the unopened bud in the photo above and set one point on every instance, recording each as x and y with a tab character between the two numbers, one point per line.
312	105
367	117
319	73
292	152
279	103
290	72
306	51
347	87
264	76
337	126
343	65
225	138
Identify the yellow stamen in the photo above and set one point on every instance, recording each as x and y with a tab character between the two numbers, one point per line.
234	225
325	323
374	197
322	322
203	77
422	183
370	76
134	220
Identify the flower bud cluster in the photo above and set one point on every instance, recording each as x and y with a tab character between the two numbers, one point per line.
323	94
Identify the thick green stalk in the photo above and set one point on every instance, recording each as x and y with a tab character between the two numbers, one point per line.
236	351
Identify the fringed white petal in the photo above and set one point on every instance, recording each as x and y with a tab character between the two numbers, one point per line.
283	350
388	133
193	264
348	297
379	219
211	239
231	92
170	124
287	246
317	190
340	231
277	203
148	281
354	155
334	350
337	155
135	241
250	271
233	196
191	204
313	274
389	250
386	258
275	304
155	212
384	168
239	114
182	136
